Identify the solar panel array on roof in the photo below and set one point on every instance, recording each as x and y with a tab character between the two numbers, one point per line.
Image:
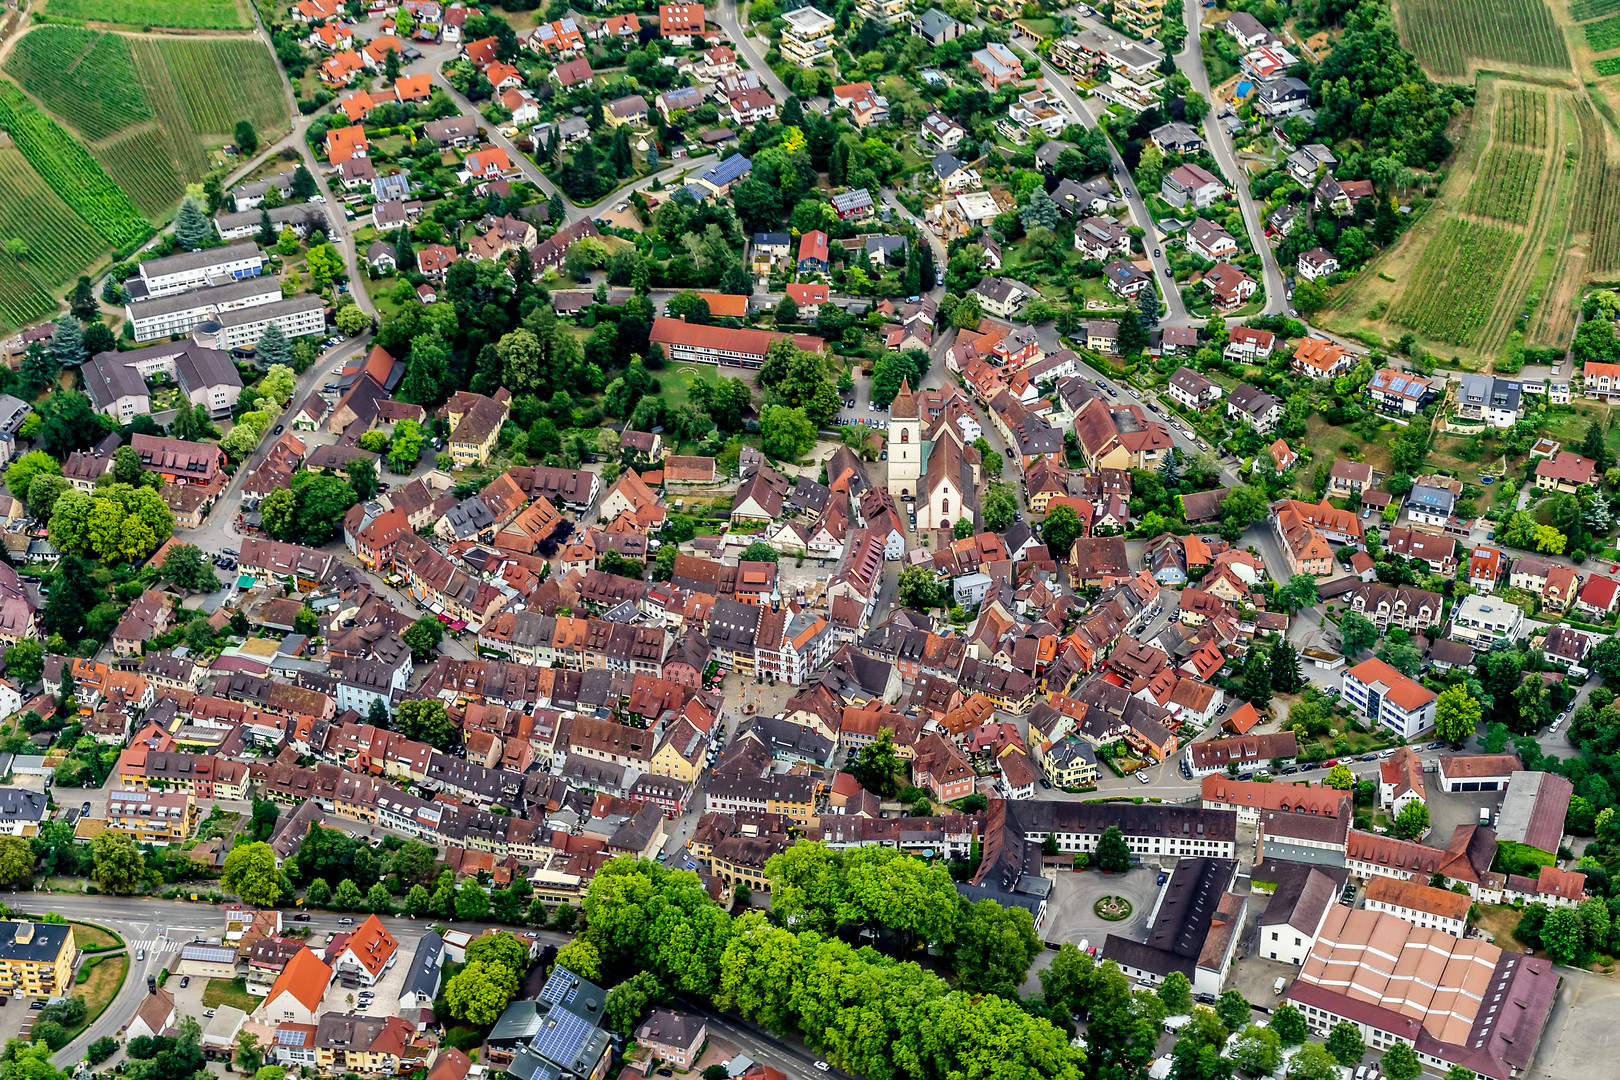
563	1037
561	987
286	1036
210	954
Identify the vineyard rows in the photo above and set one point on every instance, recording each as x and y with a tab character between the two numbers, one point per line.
1589	170
171	113
220	82
1607	66
1446	35
1521	117
1505	186
1455	284
1606	234
21	301
85	77
60	245
1605	35
64	164
1581	10
199	14
143	165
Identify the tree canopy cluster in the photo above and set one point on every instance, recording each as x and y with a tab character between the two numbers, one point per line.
870	1013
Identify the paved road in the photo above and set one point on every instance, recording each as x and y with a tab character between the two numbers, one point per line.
1191	63
340	235
159	926
726	15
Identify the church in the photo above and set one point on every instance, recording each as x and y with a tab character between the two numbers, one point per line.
930	461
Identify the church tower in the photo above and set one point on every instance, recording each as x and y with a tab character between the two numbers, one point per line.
905	443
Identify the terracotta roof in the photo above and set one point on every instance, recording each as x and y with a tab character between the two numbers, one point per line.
1418	896
305	977
1405	693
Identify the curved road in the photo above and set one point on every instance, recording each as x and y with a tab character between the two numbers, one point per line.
1190	61
1058	80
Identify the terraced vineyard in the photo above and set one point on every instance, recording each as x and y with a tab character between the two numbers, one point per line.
1505	187
1455	284
63	163
218	81
84	76
185	147
59	245
1521	117
1450	38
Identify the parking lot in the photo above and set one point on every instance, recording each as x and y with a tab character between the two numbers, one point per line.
1069	913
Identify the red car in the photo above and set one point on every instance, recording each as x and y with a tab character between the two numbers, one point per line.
1330	764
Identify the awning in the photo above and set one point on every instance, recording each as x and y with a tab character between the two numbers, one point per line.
246	581
459	625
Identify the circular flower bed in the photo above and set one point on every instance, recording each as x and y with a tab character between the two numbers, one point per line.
1112	908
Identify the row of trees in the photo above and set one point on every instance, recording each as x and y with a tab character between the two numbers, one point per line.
877	1016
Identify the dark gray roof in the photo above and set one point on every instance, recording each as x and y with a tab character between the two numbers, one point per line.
21	804
193	260
426	966
670	1028
231	292
276	310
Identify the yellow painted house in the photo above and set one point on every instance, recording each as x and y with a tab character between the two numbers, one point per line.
36	957
680	756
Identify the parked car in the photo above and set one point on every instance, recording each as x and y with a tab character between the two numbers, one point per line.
185	981
85	809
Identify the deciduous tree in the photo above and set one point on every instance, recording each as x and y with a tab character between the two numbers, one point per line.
251	873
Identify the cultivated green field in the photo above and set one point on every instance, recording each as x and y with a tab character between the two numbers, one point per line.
1456	281
220	82
188	14
85	77
1581	10
57	244
147	108
143	164
1506	185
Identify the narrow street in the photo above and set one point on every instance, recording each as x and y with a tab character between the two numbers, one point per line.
726	15
1059	81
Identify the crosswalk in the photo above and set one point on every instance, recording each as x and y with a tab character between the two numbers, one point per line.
155	946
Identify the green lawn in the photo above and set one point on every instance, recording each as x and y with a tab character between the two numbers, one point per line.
229	992
102	983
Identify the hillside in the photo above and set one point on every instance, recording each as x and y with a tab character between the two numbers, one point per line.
105	132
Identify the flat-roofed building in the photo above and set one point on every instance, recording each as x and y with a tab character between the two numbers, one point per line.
36	958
